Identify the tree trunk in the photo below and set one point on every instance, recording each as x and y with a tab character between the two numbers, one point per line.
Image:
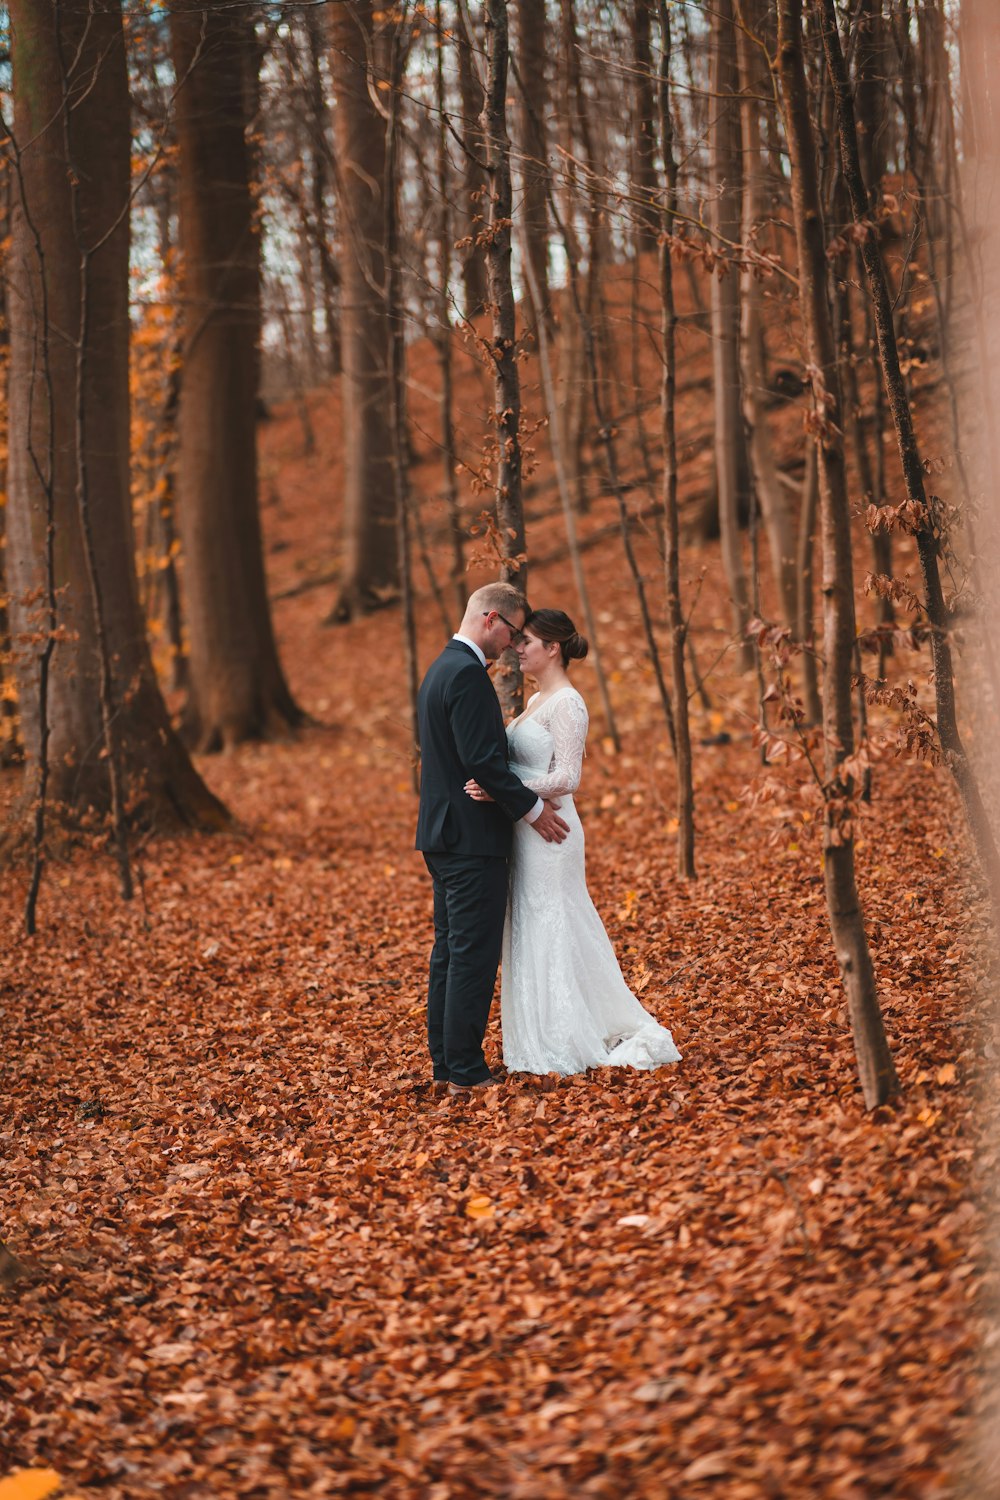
473	212
70	541
315	21
873	70
731	459
926	524
444	334
395	318
804	632
875	1066
675	613
503	346
644	183
572	381
771	493
238	690
370	566
534	215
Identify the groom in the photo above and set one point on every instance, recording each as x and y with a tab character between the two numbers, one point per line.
466	844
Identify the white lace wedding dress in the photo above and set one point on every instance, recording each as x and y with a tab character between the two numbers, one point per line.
565	1006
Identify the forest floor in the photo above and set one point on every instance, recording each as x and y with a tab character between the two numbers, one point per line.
265	1261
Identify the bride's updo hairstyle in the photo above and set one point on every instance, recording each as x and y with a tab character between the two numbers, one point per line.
551	625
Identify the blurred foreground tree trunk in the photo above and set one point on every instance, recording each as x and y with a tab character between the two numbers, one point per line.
237	688
70	551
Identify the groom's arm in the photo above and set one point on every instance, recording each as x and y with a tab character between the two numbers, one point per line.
473	714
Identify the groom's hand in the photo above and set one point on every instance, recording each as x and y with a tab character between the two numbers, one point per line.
549	824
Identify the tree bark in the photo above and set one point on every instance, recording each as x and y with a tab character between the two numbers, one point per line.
473	206
671	522
444	332
534	215
804	632
873	71
69	434
503	345
771	494
644	183
395	317
926	524
370	565
731	459
875	1065
238	690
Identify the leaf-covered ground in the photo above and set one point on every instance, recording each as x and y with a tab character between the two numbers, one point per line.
266	1261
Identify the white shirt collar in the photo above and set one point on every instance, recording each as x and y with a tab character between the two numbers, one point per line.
471	645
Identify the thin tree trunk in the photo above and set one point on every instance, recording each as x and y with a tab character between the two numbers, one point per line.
569	335
370	567
731	459
804	628
448	453
534	216
644	183
771	494
875	1065
671	524
474	209
872	75
503	346
926	524
319	125
395	317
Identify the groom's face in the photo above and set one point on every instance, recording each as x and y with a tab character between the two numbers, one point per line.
501	632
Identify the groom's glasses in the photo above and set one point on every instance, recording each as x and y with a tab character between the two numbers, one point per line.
516	636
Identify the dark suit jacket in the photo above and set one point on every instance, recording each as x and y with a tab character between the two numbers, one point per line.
462	736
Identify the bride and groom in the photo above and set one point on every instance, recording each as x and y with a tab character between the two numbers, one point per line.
490	798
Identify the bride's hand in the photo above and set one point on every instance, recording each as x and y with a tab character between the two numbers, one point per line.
476	792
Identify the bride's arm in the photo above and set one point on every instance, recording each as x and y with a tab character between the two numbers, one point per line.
567	723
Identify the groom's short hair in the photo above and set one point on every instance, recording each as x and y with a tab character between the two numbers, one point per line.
503	597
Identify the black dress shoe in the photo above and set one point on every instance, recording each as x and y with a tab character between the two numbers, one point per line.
457	1089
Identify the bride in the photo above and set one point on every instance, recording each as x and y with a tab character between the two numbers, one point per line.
564	1004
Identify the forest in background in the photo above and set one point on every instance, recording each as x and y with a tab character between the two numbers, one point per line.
316	316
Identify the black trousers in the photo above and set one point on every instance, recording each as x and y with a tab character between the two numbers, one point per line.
470	903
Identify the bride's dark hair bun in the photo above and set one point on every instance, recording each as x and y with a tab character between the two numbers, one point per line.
552	625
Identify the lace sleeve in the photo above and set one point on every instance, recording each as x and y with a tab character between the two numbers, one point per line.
567	722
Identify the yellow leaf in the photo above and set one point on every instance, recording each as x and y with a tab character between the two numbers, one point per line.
29	1484
946	1074
421	1159
732	807
479	1208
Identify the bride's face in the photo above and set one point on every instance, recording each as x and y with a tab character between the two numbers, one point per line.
535	655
